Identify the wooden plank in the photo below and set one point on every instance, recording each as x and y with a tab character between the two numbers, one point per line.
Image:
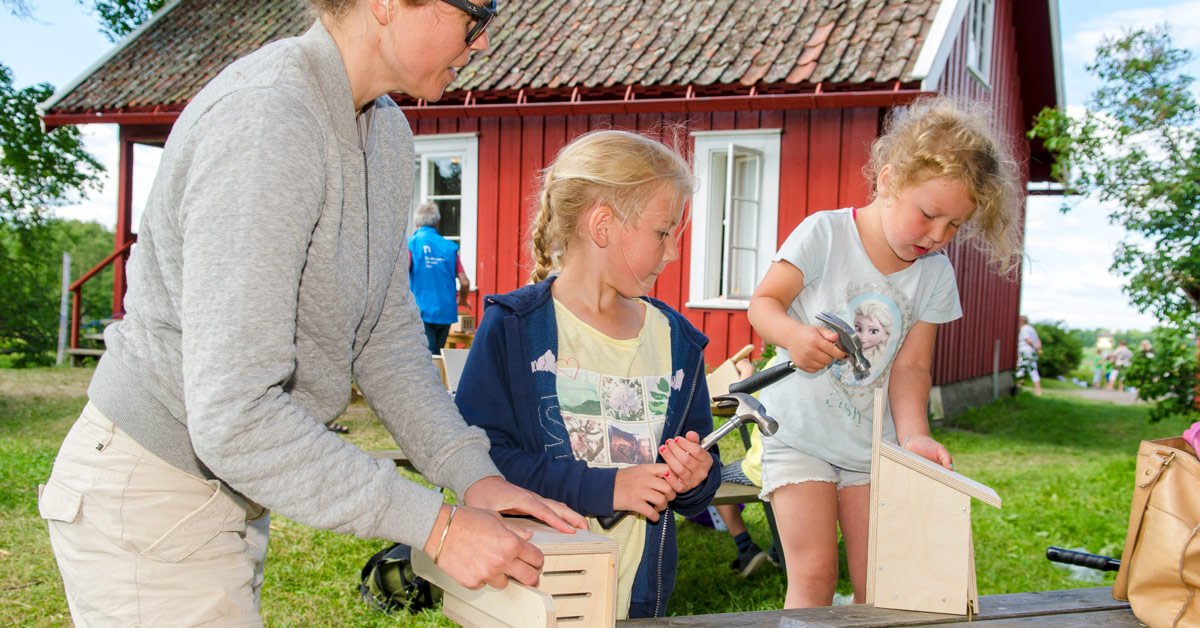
440	363
463	613
1097	619
793	173
734	493
873	507
922	550
1055	608
553	543
726	373
824	166
579	577
583	586
939	473
488	207
515	605
453	361
395	455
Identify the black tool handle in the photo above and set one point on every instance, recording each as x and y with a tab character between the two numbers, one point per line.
762	379
1083	559
608	521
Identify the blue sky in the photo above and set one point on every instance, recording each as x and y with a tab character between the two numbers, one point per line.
1066	273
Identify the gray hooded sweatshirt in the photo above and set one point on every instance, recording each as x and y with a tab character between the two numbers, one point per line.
270	272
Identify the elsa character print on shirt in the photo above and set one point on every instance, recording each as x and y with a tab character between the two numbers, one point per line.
877	312
612	421
876	321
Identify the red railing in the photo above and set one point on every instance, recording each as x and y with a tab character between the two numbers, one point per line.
77	288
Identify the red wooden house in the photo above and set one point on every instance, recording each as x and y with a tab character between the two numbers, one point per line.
776	102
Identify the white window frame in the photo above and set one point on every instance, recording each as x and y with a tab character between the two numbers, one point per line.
980	29
466	147
766	142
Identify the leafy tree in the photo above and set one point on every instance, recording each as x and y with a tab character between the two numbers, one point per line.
121	17
31	283
1061	350
37	169
19	8
1135	148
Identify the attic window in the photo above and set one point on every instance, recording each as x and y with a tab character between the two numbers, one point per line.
979	39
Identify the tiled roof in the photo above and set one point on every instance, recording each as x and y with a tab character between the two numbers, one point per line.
553	45
171	58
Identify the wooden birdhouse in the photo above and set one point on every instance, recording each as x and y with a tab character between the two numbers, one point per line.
577	586
920	554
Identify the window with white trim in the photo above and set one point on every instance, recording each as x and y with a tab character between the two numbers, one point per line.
447	173
979	39
735	214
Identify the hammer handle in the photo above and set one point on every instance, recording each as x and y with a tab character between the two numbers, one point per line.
763	378
1083	559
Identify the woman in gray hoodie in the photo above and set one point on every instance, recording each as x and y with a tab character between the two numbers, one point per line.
270	273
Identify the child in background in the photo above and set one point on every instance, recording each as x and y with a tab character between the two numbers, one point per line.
747	472
938	169
593	393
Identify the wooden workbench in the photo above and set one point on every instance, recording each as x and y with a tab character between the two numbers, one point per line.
1072	608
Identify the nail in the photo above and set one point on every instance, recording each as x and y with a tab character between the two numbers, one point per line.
667	475
662	449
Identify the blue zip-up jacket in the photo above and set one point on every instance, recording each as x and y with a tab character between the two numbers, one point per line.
509	390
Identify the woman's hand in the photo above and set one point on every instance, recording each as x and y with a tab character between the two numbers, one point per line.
923	445
495	493
812	348
479	548
689	463
644	489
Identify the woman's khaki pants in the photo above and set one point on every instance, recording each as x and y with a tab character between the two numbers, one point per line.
141	543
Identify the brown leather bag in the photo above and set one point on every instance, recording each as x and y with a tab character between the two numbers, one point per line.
1160	566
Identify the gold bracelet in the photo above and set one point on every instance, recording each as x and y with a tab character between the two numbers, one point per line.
445	530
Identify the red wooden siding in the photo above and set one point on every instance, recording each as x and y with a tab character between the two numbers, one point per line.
965	347
513	149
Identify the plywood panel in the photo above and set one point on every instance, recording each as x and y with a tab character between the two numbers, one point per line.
923	539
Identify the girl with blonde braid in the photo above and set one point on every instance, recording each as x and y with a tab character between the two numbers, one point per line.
938	168
593	393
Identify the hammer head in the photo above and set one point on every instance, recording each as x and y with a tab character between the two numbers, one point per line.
848	342
749	410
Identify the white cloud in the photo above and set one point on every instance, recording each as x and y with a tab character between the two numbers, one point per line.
1066	273
1081	39
1183	17
101	141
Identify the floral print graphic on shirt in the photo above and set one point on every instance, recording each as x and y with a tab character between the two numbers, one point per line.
613	421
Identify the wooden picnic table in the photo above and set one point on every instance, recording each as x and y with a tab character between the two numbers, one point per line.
1072	608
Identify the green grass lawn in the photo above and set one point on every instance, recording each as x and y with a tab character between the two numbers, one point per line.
1062	465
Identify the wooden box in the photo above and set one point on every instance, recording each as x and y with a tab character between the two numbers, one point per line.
577	586
920	554
465	325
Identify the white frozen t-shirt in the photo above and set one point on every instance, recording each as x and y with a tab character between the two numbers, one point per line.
828	414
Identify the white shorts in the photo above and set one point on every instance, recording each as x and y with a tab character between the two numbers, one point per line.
784	464
140	543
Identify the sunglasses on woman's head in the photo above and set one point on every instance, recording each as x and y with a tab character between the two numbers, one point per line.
482	15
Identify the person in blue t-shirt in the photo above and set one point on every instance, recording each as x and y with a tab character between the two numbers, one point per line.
431	274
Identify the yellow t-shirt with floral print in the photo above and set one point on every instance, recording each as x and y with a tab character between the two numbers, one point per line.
613	398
